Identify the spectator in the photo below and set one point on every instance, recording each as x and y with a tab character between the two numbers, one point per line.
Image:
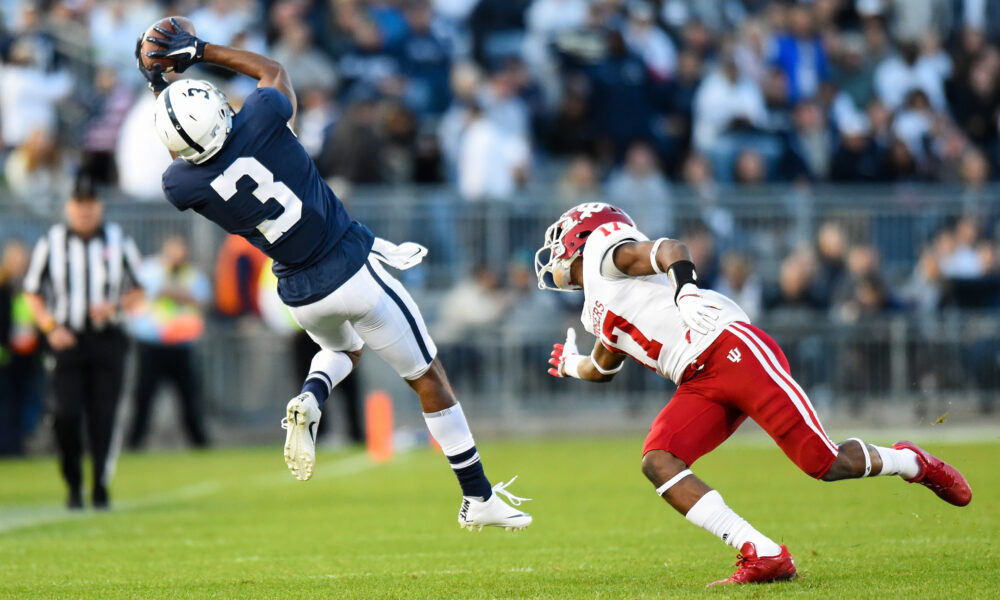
20	368
113	28
852	69
307	67
171	322
831	250
353	149
697	174
750	168
800	55
237	271
367	67
492	162
678	96
898	75
793	299
316	116
645	38
729	114
28	94
925	289
108	109
222	20
465	81
36	171
957	250
140	157
738	281
620	100
642	191
810	144
468	312
425	59
579	183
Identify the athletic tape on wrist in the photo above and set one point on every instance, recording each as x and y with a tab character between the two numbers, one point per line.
603	371
868	457
681	273
571	365
652	255
672	482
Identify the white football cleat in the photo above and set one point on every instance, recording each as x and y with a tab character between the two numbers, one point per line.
300	441
476	514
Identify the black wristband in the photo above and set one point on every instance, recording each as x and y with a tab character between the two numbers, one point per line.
681	272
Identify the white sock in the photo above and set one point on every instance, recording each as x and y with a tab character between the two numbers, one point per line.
898	462
334	366
450	429
711	513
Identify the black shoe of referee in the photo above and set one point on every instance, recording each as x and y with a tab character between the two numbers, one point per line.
100	498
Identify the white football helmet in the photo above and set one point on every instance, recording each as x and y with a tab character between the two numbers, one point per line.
193	119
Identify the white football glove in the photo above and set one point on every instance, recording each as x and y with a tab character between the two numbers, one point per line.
698	314
566	358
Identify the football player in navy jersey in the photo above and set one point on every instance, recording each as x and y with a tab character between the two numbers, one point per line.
248	173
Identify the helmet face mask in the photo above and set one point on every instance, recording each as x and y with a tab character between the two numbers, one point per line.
193	119
565	239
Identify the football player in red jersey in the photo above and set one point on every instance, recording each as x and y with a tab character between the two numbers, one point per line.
642	300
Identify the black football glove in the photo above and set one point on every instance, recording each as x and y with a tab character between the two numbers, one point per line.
154	77
178	45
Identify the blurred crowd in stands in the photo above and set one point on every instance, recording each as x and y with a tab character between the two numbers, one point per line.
634	102
478	93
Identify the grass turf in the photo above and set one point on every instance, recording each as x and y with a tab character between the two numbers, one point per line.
235	524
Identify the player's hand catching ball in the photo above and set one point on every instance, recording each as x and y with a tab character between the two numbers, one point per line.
698	314
154	76
179	46
562	352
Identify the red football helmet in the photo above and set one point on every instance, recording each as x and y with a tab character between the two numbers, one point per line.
565	239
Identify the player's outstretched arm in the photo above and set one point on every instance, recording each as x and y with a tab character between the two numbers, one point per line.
267	72
636	259
185	50
602	364
672	257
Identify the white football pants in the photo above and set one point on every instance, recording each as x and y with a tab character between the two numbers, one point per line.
372	308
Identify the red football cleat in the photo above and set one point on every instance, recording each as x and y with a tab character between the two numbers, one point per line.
760	570
942	478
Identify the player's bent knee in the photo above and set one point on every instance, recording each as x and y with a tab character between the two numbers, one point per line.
661	465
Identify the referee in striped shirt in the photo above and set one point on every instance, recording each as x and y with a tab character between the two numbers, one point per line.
82	273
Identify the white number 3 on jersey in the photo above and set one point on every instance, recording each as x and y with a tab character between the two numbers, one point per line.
267	188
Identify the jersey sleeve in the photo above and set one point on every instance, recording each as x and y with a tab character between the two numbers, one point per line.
172	189
275	101
602	241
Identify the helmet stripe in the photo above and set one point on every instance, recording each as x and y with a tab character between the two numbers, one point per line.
177	125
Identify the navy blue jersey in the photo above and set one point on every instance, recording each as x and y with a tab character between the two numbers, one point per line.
263	186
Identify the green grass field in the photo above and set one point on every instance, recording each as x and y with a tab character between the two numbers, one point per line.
235	524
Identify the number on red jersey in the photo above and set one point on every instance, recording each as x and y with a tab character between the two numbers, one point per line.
613	321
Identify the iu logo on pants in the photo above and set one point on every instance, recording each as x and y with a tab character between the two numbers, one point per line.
734	355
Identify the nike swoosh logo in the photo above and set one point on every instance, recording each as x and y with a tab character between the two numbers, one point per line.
189	51
312	431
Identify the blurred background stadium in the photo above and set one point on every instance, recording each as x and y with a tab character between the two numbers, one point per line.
831	164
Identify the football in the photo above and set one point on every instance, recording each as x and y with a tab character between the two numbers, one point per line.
147	46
